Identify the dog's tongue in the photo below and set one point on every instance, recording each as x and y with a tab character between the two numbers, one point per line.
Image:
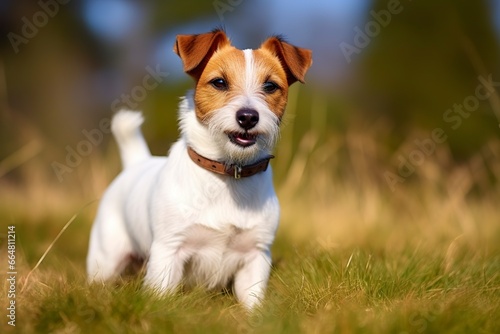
243	139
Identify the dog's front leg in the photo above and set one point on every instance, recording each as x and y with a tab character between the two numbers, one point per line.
251	280
165	267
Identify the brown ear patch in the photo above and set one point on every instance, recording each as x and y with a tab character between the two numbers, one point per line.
196	50
296	61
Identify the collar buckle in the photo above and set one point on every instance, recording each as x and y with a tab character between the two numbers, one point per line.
237	172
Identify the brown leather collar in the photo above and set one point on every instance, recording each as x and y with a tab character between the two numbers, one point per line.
234	170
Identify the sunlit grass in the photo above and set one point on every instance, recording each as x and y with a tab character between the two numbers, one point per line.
312	289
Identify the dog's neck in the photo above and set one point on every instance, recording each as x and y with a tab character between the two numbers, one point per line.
233	170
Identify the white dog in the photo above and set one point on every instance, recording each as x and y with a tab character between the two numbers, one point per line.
208	213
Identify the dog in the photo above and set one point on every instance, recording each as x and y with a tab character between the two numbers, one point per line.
206	214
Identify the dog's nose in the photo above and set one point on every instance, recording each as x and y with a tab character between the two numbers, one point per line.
247	118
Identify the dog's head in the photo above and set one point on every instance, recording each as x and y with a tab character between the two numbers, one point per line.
241	95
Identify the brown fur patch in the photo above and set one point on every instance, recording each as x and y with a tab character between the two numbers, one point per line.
229	64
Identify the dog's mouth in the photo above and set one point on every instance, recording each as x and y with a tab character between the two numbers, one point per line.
244	139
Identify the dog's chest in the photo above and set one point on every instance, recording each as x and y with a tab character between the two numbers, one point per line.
199	238
213	256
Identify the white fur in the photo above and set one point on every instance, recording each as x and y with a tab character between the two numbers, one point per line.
249	72
192	225
126	128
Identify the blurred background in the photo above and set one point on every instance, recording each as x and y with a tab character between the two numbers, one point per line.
401	103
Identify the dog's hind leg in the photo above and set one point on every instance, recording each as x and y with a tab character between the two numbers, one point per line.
110	249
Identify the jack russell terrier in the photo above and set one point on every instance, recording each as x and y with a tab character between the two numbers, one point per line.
207	214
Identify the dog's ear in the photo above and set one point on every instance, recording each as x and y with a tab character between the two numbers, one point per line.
196	50
296	61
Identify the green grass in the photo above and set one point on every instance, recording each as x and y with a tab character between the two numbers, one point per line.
311	290
390	276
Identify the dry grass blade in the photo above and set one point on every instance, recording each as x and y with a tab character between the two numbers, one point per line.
26	281
19	157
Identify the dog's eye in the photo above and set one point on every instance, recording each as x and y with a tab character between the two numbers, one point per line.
219	84
269	87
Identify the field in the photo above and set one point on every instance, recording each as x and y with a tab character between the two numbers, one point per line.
387	169
352	255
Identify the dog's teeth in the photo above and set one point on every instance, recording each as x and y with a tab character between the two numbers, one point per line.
243	139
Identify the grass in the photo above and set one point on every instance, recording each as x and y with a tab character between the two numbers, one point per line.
312	289
351	256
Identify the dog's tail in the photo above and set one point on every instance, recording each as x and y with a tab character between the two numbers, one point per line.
126	127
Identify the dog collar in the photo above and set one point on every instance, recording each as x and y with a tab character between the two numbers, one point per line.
234	170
